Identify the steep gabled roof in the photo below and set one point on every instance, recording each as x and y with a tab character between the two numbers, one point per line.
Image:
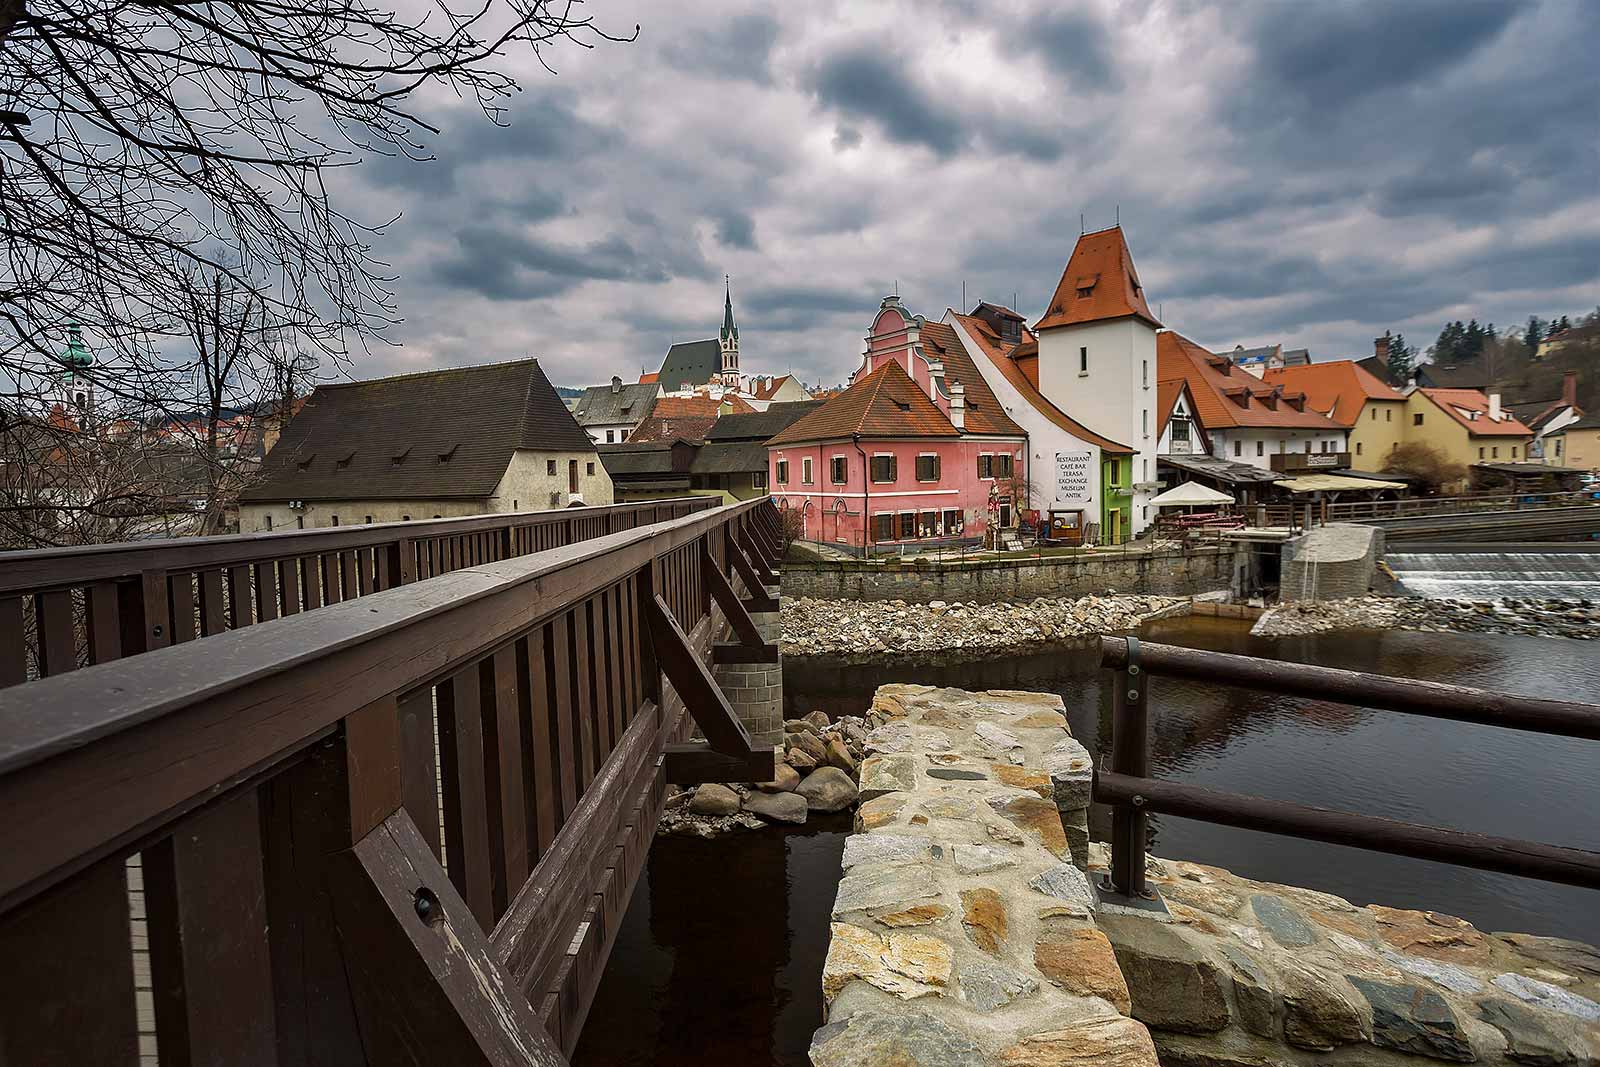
1011	366
1340	387
599	405
1470	408
760	425
1099	283
885	403
445	434
1167	394
1226	396
766	387
664	427
984	412
690	363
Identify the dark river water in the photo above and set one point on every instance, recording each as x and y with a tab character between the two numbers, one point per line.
719	958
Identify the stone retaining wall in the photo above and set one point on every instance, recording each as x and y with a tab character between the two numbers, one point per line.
987	580
1330	563
965	932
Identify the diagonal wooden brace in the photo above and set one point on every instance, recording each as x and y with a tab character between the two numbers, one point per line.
690	679
758	558
759	599
743	625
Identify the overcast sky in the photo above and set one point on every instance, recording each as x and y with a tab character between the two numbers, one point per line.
1304	173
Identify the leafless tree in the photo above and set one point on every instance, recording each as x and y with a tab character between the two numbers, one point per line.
135	139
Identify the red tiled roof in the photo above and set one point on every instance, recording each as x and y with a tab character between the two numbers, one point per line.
699	406
985	414
1099	283
1167	393
885	403
649	379
996	352
1226	396
1459	404
766	389
1340	386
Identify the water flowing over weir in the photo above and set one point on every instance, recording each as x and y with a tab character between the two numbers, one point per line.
1524	571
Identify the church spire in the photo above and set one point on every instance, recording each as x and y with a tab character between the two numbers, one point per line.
729	342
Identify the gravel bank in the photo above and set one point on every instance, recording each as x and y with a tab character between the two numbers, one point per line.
845	627
1576	619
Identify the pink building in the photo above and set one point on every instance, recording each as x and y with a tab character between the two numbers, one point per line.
918	449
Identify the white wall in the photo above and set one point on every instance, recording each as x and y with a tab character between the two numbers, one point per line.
1195	446
1242	445
1115	397
1045	438
619	431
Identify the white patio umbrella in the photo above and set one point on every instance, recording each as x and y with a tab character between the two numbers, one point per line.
1190	494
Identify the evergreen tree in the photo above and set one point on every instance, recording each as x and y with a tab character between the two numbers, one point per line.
1401	358
1472	346
1558	327
1534	334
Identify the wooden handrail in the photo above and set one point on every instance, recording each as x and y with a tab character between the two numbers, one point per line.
466	904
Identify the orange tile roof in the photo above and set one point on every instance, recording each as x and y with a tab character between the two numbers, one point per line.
1340	387
985	414
1226	396
658	427
699	406
1099	283
1011	368
1458	402
649	379
885	403
766	389
1167	393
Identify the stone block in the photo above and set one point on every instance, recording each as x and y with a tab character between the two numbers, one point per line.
1320	1010
1253	994
1174	985
1409	1019
881	775
983	916
1071	773
906	965
1102	1042
986	986
886	887
905	1038
1081	961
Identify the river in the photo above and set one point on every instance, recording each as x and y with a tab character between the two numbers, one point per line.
719	956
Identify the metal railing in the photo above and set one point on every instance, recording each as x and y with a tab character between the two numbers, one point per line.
397	830
1298	515
65	608
1133	794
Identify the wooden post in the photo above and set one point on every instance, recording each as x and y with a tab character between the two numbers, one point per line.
1130	755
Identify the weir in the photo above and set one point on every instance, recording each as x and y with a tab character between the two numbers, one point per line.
1498	571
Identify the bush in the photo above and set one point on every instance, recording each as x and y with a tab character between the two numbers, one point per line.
793	526
1438	472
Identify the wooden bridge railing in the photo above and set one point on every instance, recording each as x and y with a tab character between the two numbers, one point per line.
65	608
399	830
1133	794
1295	515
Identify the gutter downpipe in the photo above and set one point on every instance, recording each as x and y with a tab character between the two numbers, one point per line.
866	496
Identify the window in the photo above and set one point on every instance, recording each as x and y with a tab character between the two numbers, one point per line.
839	470
1144	373
1002	465
1480	451
986	465
1388	415
908	525
1083	361
299	522
952	522
555	499
783	472
1358	448
883	468
611	437
1513	451
368	519
1261	448
1558	448
591	470
336	520
572	475
1308	448
1144	470
928	524
550	467
515	503
758	479
1144	422
883	527
1416	420
927	468
1180	429
269	522
1374	414
1494	452
1238	448
805	471
405	518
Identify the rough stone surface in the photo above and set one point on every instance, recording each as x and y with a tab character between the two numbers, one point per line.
817	720
1172	983
1448	975
1578	619
1544	995
892	886
783	782
777	807
1282	921
983	914
1103	1042
1035	815
875	848
1066	883
1320	1010
1574	957
1071	772
980	859
887	774
827	789
906	965
839	756
986	986
714	799
1254	996
1529	1037
902	1038
1081	960
1414	1020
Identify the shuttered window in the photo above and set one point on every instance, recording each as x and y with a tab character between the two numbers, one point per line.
883	468
927	468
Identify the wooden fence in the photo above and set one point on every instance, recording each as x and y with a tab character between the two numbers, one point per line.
316	888
65	608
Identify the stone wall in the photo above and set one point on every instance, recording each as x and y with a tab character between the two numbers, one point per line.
965	932
1330	563
994	579
755	690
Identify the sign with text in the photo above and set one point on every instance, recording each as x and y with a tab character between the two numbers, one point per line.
1074	477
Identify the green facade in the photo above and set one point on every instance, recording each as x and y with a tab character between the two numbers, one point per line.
1116	499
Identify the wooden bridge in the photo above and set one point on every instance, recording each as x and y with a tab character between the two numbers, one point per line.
400	827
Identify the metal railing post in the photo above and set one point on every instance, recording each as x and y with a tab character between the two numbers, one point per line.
1130	755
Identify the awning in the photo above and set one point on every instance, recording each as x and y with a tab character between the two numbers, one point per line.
1220	470
1327	483
1190	494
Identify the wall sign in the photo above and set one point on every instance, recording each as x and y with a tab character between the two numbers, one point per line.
1074	477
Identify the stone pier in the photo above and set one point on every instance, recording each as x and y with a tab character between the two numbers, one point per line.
755	690
965	932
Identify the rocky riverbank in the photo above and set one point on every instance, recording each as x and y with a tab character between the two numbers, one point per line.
853	628
818	771
1577	619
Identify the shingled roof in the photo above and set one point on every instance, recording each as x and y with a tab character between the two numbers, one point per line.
885	403
441	435
600	405
1099	283
690	363
760	425
985	414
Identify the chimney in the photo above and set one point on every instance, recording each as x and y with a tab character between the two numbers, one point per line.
1569	388
616	384
1494	407
958	405
1380	348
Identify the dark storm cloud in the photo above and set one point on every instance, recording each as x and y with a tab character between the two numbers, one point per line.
1076	46
503	264
735	229
809	298
867	85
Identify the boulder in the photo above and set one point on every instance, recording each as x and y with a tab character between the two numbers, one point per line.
1319	1009
714	799
777	807
811	745
783	782
797	726
800	760
817	719
1414	1020
839	756
1173	985
827	789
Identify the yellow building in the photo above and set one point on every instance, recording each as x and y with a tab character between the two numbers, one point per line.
1352	397
1466	426
1576	445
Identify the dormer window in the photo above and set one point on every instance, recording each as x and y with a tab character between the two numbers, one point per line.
444	457
344	462
305	464
399	457
902	405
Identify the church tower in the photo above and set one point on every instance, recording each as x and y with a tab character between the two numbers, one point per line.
74	386
729	341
